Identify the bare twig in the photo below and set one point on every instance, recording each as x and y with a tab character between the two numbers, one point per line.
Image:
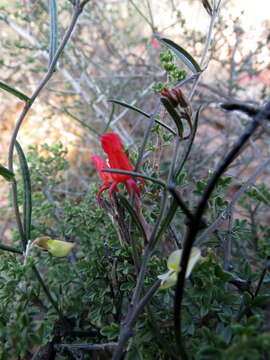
204	62
85	347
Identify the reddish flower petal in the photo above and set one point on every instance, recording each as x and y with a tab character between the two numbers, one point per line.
106	178
132	186
155	43
113	147
103	188
112	188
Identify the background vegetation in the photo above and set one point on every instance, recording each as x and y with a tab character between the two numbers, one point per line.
207	187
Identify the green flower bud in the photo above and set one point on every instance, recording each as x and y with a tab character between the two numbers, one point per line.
170	277
56	248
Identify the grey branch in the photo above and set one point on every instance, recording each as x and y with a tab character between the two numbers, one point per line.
85	347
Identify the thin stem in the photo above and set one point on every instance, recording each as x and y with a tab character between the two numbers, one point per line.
44	81
190	144
203	63
126	329
146	136
82	123
110	119
85	347
10	248
136	304
47	292
180	202
145	300
167	219
83	3
138	164
150	14
77	11
228	243
17	213
133	173
142	15
261	278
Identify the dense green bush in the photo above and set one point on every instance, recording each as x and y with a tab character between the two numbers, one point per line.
221	316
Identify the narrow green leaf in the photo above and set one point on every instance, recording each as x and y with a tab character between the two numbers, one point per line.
10	248
53	29
81	122
110	119
133	215
27	202
142	113
8	175
13	91
183	54
133	173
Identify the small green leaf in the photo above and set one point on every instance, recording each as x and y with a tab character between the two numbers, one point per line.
260	300
13	91
209	352
183	54
110	331
8	175
247	299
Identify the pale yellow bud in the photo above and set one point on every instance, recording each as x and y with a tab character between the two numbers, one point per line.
170	277
56	248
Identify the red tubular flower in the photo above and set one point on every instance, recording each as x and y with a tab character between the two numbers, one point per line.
113	147
155	43
106	178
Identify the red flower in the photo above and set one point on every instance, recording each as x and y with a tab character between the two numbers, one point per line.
112	146
155	43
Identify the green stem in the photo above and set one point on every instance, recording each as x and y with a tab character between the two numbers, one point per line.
10	248
134	173
47	292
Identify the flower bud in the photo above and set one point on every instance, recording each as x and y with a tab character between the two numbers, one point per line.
175	97
56	248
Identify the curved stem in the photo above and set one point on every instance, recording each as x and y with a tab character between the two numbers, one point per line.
77	11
